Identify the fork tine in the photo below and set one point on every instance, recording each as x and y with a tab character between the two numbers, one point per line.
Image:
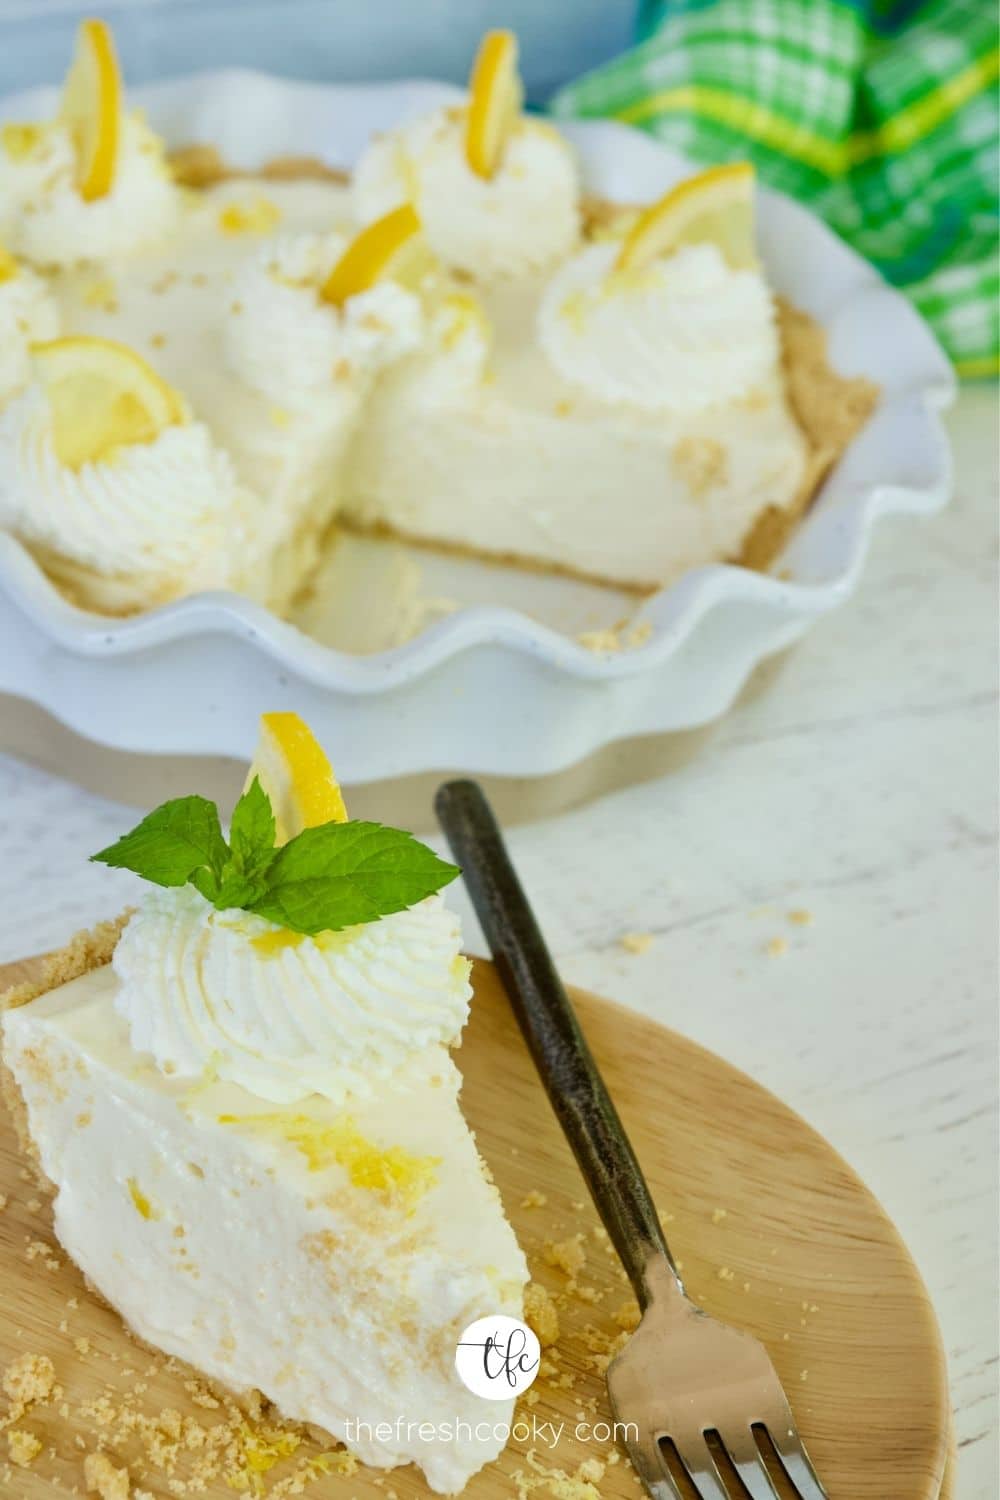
795	1459
703	1473
746	1460
648	1463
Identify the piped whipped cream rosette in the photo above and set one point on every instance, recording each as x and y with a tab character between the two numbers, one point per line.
212	981
286	1015
28	315
677	315
93	183
104	473
287	338
683	334
497	192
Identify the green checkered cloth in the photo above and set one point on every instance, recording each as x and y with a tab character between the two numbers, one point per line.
879	114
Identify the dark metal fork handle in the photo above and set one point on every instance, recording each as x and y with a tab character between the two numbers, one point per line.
558	1046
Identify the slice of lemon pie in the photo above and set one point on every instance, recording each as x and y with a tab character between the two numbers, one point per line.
621	415
243	1100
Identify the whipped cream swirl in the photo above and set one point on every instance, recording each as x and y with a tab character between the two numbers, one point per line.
167	517
28	315
523	218
229	995
44	218
681	335
459	339
283	340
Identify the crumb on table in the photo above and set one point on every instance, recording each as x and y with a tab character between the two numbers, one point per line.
540	1314
637	942
29	1378
103	1479
568	1255
23	1447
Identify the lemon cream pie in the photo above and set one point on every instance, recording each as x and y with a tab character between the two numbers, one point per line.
244	1102
454	347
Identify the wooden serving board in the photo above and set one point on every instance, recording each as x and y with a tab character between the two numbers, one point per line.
774	1232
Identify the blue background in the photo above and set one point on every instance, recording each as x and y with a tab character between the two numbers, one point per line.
333	40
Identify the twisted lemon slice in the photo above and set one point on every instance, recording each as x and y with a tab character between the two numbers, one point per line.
295	772
495	99
391	248
92	107
102	395
716	206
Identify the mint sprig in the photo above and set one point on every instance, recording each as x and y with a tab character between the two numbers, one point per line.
326	878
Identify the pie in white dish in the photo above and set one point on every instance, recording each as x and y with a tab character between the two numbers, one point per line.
456	347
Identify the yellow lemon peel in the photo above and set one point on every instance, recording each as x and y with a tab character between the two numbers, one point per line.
715	207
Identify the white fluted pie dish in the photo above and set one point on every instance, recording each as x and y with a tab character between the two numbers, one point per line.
505	688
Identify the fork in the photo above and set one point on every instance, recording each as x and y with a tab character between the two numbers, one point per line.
698	1404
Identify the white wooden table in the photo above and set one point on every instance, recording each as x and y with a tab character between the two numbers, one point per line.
861	788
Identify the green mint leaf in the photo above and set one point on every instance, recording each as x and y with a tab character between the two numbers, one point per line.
251	832
237	891
342	874
180	841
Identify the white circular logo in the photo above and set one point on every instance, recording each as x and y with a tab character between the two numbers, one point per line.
497	1357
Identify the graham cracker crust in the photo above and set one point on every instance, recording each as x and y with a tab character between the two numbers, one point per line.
200	166
829	409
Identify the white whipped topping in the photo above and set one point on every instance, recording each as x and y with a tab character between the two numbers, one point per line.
169	513
282	339
522	218
682	334
28	315
459	338
232	995
43	216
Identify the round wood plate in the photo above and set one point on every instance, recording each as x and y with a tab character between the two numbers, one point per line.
774	1231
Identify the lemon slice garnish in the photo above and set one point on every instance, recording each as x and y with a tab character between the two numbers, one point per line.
91	107
392	248
8	266
716	206
102	395
495	99
297	776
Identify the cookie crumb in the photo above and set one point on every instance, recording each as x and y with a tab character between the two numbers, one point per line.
30	1378
23	1448
777	947
103	1479
534	1199
39	1250
628	1316
801	918
637	942
568	1255
540	1314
